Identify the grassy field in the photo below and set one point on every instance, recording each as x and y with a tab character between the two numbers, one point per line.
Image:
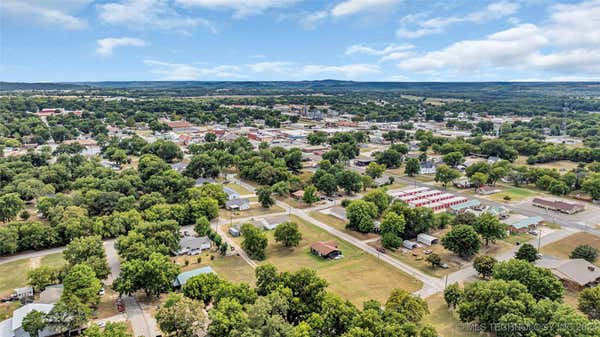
232	268
357	277
14	274
445	320
564	247
521	238
515	194
340	224
255	211
238	188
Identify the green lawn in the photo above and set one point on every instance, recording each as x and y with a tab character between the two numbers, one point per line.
520	238
515	194
238	188
13	275
255	211
444	320
232	268
357	277
564	247
340	224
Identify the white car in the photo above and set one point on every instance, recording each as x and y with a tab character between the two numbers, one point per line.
101	292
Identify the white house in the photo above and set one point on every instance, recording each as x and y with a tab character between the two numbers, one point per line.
238	204
231	194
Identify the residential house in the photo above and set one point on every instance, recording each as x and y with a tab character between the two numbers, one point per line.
202	181
326	249
298	195
241	204
500	212
179	167
191	245
525	225
182	278
363	161
427	167
575	274
13	327
558	205
462	183
462	207
231	194
272	222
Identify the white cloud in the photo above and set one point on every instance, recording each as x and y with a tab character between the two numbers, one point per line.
241	8
350	7
436	25
348	71
566	44
140	14
51	12
270	67
310	21
186	72
391	48
106	46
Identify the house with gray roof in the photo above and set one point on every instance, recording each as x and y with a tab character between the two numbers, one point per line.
231	194
12	327
182	278
272	222
240	204
575	274
192	245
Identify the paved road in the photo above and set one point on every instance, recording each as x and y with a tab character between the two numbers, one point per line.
30	254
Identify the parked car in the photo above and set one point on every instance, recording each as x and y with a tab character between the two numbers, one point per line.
444	266
101	292
381	250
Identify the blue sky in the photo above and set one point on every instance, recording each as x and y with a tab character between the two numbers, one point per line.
374	40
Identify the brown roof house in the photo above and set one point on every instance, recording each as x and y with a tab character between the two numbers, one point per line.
326	249
558	205
575	274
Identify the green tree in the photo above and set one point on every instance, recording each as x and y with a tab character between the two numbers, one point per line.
204	207
81	282
589	302
434	259
390	158
210	137
452	295
264	196
9	240
41	277
540	282
585	252
317	138
406	305
444	174
375	170
10	205
203	287
592	186
255	242
182	317
527	252
412	167
310	195
34	322
227	316
361	215
453	159
154	275
490	228
462	240
479	179
327	184
88	250
484	265
380	198
288	234
350	181
69	313
392	223
118	329
202	226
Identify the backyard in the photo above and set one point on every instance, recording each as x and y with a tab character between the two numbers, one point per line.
14	274
563	248
357	277
340	224
256	210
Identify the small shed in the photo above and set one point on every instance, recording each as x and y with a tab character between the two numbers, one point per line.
427	239
326	249
24	292
235	232
409	244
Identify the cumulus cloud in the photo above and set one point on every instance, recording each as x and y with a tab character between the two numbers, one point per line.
186	72
436	25
350	7
310	21
140	14
51	12
107	46
241	8
567	43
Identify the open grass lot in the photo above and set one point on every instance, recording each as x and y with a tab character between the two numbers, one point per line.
295	203
255	211
7	308
445	320
564	247
520	238
238	188
14	274
515	194
232	268
357	277
340	225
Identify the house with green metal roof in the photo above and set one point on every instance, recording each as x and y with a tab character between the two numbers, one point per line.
182	278
525	225
459	208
